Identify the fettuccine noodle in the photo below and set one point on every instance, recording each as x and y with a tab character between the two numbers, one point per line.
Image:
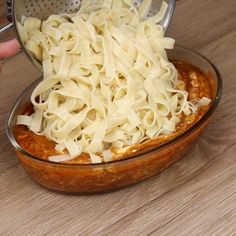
107	79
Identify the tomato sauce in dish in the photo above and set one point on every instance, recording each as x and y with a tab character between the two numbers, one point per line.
192	80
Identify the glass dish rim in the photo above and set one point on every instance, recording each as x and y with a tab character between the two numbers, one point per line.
186	133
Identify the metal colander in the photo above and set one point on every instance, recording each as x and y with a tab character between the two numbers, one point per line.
42	9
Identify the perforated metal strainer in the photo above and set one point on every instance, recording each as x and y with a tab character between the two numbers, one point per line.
42	9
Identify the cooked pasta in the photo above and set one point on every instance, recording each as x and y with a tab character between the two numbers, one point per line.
107	79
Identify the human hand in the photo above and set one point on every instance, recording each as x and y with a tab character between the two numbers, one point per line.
8	49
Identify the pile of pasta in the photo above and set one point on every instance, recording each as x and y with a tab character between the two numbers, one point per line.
107	79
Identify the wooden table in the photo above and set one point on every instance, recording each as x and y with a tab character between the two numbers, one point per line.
196	196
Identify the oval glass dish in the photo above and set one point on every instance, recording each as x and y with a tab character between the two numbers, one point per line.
92	178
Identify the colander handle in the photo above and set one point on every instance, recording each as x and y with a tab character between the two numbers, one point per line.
7	27
9	17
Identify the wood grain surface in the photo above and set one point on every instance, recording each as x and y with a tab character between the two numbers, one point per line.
196	196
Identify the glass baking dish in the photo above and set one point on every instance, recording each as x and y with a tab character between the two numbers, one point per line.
92	178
